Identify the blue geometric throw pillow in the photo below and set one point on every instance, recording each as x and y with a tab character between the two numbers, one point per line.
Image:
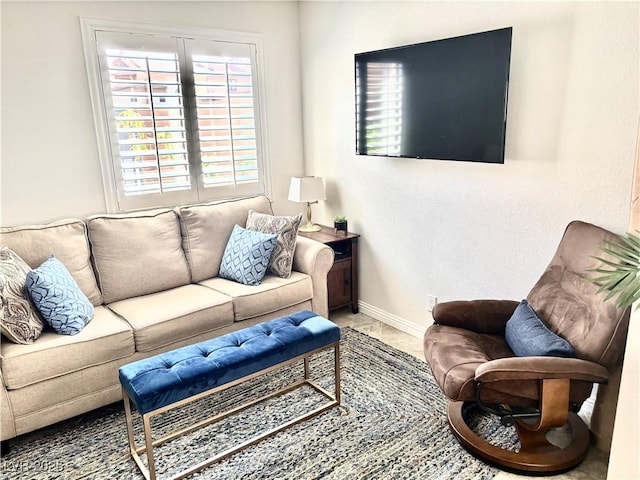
246	256
528	336
58	298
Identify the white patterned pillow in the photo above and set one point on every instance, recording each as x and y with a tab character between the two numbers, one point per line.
19	320
246	256
59	298
287	229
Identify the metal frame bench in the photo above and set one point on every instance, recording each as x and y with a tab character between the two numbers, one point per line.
173	379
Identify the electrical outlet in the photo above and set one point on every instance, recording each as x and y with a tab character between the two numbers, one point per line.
432	300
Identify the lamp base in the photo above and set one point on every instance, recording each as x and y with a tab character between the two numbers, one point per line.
310	227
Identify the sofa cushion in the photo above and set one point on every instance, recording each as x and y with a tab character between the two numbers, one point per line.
138	253
58	298
19	319
60	398
162	318
246	256
206	230
106	338
66	239
287	230
274	293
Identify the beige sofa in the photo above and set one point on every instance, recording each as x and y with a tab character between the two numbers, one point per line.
152	278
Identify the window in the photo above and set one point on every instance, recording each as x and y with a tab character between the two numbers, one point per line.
177	113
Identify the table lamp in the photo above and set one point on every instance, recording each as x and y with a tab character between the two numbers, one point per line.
309	190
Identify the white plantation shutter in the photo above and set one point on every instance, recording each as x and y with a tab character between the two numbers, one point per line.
145	105
225	113
182	117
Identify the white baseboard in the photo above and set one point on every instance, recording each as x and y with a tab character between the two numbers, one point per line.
397	322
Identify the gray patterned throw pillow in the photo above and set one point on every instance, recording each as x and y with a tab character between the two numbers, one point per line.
19	320
287	229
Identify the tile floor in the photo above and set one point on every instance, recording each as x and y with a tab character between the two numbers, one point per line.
594	467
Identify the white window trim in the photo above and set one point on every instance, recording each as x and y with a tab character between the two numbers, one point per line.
89	26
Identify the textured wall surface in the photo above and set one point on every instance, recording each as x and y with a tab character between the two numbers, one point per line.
50	165
634	218
461	230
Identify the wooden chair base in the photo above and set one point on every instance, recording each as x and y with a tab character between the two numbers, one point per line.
536	455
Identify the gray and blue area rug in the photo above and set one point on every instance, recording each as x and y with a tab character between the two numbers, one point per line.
391	425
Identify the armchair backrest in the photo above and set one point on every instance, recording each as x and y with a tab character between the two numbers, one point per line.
568	303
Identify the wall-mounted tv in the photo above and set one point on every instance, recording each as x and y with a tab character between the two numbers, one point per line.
443	99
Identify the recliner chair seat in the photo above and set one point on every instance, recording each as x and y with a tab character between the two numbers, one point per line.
454	354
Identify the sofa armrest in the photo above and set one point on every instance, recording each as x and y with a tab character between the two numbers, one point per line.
315	259
481	316
540	368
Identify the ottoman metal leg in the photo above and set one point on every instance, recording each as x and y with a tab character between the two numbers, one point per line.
336	373
149	473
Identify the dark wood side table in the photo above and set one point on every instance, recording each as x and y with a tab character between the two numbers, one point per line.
342	280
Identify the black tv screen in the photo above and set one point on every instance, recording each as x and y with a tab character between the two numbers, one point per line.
444	99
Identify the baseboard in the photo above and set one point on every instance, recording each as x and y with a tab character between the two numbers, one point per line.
393	320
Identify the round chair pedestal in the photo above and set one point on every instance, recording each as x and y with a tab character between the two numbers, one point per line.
536	455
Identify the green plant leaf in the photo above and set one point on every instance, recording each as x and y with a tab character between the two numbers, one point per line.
632	240
623	253
622	278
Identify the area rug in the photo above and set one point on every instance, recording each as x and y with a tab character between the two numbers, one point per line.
391	425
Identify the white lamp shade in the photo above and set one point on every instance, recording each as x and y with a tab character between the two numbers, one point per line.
306	189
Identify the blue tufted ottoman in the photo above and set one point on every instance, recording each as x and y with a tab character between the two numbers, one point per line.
172	379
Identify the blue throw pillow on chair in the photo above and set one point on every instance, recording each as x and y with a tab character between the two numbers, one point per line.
528	336
58	297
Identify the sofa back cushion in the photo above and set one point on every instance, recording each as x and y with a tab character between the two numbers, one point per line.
137	253
66	239
206	230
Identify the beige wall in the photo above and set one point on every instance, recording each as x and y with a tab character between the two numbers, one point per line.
634	217
458	229
49	152
626	432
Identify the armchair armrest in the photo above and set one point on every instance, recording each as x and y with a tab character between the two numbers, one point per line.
540	368
315	259
481	316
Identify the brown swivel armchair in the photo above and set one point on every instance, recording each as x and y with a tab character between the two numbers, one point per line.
475	366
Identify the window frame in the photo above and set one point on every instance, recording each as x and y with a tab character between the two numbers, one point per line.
89	26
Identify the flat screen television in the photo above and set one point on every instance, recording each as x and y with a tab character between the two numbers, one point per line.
443	99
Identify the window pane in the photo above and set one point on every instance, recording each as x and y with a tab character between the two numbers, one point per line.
226	119
149	116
